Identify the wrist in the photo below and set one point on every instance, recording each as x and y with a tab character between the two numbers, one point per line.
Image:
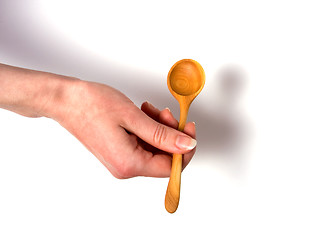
57	99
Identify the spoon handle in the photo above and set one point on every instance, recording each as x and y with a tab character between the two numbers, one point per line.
174	184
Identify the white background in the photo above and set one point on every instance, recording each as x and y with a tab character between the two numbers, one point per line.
259	168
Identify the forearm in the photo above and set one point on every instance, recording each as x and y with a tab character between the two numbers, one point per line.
31	93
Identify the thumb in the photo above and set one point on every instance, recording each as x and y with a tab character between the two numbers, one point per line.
158	135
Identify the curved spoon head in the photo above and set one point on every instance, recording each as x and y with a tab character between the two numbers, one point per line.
186	78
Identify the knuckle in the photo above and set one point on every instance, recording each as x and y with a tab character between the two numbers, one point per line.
118	177
160	134
124	171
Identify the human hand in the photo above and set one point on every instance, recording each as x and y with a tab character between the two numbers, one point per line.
128	141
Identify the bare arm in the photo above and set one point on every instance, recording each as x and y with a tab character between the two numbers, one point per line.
27	92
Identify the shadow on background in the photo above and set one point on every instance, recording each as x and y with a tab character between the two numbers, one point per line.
220	130
223	131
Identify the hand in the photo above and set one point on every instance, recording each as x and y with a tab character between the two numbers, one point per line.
128	141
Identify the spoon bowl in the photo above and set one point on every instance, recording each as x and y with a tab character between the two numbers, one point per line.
185	81
185	78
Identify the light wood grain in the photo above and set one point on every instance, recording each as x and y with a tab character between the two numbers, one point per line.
185	81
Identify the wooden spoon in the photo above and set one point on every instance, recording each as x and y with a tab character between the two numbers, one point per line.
185	81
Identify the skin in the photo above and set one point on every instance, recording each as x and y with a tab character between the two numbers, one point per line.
127	140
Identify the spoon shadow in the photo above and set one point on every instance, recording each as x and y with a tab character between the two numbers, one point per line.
223	132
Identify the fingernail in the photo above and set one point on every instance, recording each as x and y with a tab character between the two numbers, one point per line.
185	142
167	109
149	103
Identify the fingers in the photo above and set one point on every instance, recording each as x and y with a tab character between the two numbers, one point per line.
167	118
157	134
150	110
191	131
159	165
164	116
